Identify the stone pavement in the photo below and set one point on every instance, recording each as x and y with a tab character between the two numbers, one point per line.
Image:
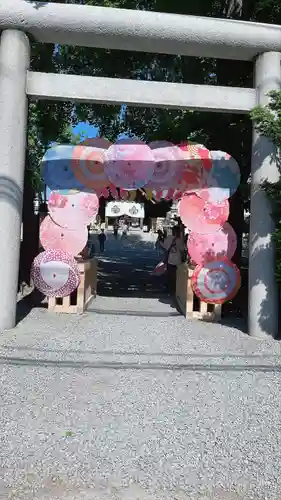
134	402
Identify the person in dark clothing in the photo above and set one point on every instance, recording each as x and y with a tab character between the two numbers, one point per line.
174	247
102	239
159	241
115	229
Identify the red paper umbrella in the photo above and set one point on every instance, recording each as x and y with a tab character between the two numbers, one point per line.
206	247
217	281
73	210
197	165
200	216
129	164
54	237
55	273
88	166
169	165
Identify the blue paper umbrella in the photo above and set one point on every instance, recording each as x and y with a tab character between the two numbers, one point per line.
57	171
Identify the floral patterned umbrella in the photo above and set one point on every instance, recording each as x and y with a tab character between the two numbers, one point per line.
200	216
169	165
129	164
54	237
73	210
205	247
55	273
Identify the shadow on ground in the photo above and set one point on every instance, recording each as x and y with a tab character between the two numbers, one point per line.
29	302
129	272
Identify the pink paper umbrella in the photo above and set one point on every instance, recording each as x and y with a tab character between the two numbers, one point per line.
54	237
129	164
200	216
217	281
205	247
55	273
222	180
169	165
197	165
73	210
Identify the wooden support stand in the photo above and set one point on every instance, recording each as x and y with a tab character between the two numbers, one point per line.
77	302
190	306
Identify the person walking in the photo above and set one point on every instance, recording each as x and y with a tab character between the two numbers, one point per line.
125	230
159	241
115	229
175	250
101	238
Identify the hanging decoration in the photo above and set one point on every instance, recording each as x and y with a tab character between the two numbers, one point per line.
202	180
223	178
216	281
55	273
129	164
88	165
54	237
169	165
197	165
113	192
200	216
204	209
206	247
57	169
73	210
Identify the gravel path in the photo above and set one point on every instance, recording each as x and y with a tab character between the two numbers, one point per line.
143	406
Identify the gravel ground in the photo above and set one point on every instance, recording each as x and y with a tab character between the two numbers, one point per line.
137	407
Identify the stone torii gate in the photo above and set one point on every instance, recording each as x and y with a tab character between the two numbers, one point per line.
145	32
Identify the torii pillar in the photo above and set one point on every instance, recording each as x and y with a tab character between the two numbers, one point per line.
263	289
14	63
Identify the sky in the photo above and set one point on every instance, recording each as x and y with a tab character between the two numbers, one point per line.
85	130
